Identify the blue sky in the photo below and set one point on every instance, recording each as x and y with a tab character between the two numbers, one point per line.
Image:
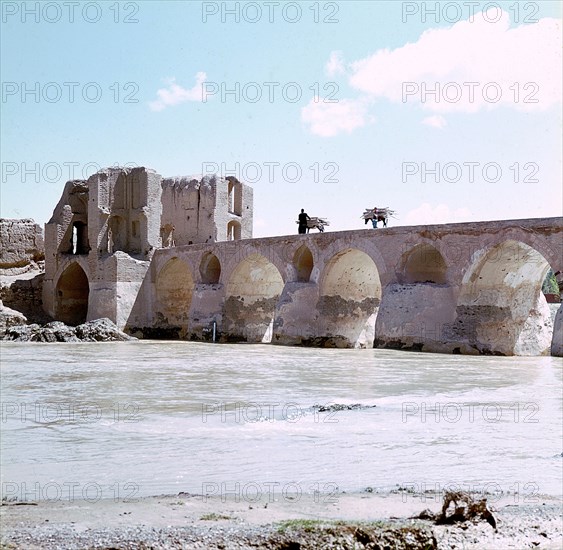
346	119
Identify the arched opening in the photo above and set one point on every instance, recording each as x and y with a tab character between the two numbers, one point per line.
174	291
350	295
501	309
250	300
235	196
75	240
80	238
233	231
72	293
423	264
210	269
303	263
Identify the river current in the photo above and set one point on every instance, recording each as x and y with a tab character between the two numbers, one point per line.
119	420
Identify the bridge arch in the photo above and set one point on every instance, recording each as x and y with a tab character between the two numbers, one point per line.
303	263
71	295
231	259
174	291
251	295
349	298
500	308
210	269
423	264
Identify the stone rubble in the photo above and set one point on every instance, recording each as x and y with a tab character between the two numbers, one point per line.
99	330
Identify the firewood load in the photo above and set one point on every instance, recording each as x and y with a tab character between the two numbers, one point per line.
381	214
316	223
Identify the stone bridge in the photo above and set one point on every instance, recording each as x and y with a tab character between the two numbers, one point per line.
470	288
456	288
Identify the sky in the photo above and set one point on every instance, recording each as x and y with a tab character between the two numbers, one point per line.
441	111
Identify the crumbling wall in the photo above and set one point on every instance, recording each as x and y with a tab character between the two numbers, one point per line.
125	212
24	294
205	210
188	205
22	251
21	242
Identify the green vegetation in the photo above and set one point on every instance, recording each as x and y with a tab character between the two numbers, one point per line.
550	285
306	525
214	517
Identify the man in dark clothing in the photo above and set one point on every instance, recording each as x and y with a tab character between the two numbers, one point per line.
303	217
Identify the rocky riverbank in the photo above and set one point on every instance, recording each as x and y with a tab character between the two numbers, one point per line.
99	330
345	521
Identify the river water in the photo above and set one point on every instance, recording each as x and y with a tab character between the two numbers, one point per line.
119	420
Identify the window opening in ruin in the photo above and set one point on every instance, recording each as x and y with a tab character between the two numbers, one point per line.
231	198
79	239
74	239
235	198
233	231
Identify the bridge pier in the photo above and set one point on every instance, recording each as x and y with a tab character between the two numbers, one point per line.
296	318
346	323
206	309
405	320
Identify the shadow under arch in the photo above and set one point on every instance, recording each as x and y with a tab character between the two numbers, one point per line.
71	295
251	295
349	298
174	288
422	264
303	263
500	308
210	269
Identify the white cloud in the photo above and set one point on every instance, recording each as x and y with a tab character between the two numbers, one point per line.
175	94
335	64
330	119
524	63
441	213
435	121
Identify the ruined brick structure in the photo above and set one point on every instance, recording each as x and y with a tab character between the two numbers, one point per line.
104	231
22	243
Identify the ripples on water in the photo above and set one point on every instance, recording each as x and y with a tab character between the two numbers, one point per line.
180	416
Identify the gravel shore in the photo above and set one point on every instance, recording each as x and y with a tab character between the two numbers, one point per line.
352	521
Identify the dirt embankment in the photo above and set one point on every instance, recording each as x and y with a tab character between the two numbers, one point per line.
344	521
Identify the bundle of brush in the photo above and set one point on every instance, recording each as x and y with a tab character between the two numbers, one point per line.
380	214
317	223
